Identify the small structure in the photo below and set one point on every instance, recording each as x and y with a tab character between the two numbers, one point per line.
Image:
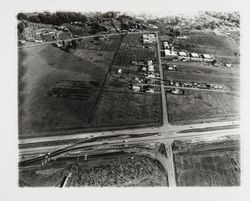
183	56
136	88
229	65
148	38
149	62
150	90
187	84
172	68
195	57
150	76
152	26
119	71
207	58
177	92
166	45
177	84
151	68
170	54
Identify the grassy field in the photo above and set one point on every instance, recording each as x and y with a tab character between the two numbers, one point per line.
197	106
207	163
111	43
230	82
218	45
122	108
61	91
204	68
40	69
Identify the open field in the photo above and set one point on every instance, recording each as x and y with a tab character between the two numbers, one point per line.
62	91
122	108
204	68
197	106
125	170
47	68
110	43
210	43
211	78
201	163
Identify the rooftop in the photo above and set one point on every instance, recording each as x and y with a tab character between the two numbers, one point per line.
182	54
207	56
194	55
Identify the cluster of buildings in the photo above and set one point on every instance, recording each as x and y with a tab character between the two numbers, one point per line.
149	38
169	53
195	85
39	33
143	84
194	57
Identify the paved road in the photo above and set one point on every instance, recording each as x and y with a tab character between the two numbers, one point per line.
169	161
163	135
163	95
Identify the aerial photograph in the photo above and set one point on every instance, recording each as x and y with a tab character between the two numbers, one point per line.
122	99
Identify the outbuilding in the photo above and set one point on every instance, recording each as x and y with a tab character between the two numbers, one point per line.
136	88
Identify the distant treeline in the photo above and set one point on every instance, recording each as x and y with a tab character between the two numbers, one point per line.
57	18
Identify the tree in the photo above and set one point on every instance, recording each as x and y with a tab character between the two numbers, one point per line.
34	18
21	16
42	18
20	27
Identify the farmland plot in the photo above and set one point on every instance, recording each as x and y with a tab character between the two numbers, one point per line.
118	106
45	104
197	106
100	58
128	109
212	164
132	49
111	43
229	82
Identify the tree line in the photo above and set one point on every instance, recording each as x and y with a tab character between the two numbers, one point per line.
57	18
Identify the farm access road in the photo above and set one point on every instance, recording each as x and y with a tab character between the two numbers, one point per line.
82	37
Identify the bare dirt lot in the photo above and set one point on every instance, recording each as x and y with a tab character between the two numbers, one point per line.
197	106
207	164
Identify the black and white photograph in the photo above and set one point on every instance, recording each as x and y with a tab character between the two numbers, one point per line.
128	98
